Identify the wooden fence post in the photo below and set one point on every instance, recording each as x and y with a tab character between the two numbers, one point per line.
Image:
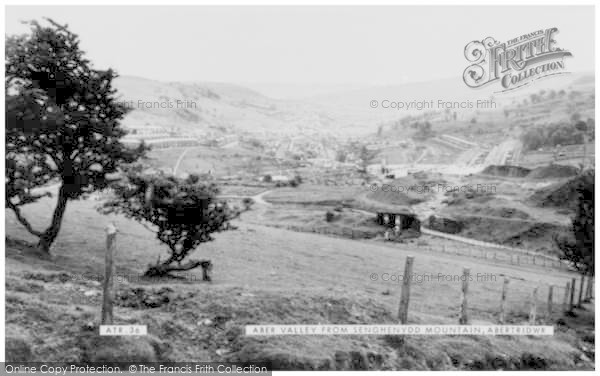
403	310
107	301
566	296
464	317
572	296
532	312
503	301
550	291
518	260
580	300
588	290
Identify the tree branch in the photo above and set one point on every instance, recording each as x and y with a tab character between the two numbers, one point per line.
22	219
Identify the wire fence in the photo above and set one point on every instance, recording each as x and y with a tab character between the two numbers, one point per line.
501	299
477	249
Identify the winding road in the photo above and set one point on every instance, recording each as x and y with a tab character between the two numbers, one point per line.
179	161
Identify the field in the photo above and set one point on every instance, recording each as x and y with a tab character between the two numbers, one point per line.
264	275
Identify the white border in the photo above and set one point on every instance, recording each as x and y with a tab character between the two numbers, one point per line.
289	3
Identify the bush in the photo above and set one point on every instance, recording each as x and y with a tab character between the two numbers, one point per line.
248	202
329	216
183	213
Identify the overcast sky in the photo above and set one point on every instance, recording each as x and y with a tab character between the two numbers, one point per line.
304	45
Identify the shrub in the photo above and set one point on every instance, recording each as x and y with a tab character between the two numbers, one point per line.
183	213
329	216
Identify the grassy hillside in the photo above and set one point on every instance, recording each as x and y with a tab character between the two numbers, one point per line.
203	107
268	276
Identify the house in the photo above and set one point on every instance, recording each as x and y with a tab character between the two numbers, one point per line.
280	178
403	219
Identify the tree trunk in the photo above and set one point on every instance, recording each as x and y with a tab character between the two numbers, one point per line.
163	269
48	236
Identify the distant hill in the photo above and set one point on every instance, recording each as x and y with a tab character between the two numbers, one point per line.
211	108
318	109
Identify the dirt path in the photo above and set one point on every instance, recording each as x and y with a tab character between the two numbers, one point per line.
259	198
179	161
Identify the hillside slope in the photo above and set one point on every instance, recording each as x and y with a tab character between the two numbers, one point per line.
198	108
264	276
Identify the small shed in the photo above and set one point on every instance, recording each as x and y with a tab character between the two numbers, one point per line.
404	220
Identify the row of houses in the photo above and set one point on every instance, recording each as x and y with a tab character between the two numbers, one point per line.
161	143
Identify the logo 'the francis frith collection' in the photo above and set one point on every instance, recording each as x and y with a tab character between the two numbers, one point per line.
514	63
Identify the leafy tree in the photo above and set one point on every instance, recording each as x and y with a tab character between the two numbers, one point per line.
296	181
423	130
248	202
62	124
365	155
183	213
577	247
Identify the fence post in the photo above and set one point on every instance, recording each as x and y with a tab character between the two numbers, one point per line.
518	260
572	298
550	291
403	310
108	293
580	300
503	301
464	317
533	310
566	296
588	290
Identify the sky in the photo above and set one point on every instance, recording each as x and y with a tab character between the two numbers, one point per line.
350	45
